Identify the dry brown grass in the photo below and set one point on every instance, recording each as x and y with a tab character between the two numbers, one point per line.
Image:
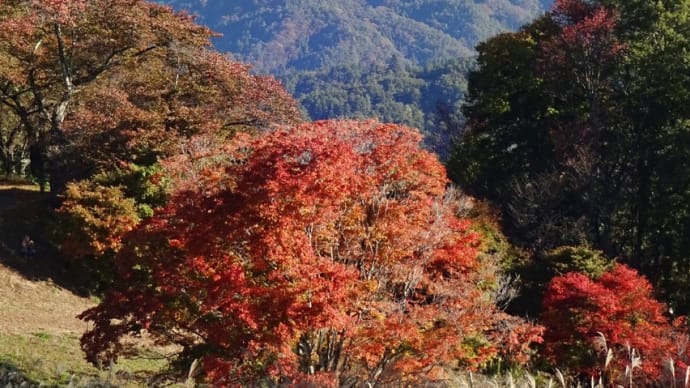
39	331
29	306
18	186
39	336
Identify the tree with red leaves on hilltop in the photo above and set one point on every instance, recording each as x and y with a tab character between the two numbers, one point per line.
328	253
585	318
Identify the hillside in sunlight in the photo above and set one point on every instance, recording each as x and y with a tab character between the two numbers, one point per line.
282	35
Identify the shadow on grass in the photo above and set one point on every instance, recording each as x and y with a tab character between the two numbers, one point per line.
25	212
13	376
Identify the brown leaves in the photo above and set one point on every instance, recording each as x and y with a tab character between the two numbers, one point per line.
123	81
96	217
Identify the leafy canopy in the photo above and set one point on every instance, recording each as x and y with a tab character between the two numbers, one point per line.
326	252
578	128
93	83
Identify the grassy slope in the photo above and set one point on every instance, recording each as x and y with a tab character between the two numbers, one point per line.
39	331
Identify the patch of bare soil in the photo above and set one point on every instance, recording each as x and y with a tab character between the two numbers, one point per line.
38	306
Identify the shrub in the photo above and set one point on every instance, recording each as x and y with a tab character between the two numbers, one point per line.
579	258
585	317
94	218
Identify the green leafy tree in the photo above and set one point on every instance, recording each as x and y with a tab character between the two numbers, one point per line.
496	147
581	139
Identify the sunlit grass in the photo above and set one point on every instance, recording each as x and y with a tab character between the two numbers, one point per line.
8	182
57	360
16	186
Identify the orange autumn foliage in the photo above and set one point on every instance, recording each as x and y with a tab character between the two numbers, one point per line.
99	82
327	253
94	219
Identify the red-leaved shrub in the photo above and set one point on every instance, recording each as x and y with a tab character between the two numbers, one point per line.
586	317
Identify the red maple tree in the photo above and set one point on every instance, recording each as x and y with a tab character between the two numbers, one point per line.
324	253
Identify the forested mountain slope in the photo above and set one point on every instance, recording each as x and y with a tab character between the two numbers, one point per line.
426	97
282	35
401	61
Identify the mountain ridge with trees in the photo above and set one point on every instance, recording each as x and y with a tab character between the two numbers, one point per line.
398	61
281	36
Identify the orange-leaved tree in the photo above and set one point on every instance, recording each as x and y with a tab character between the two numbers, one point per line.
326	253
91	81
604	327
101	90
116	136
